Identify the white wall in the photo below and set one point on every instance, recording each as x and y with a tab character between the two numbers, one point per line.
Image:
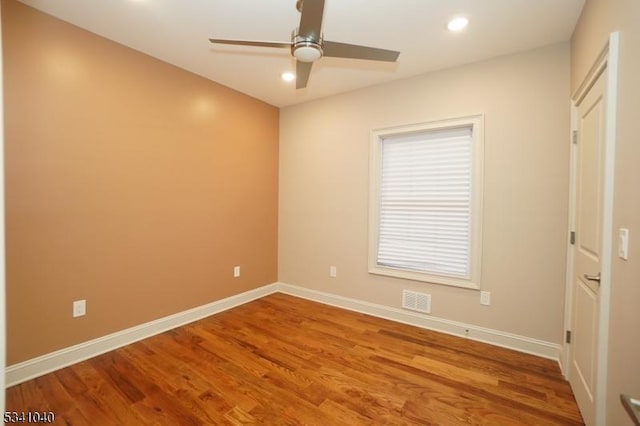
324	187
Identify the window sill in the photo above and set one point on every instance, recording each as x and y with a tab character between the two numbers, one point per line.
420	276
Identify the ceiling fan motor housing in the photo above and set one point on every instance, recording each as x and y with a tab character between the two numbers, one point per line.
306	49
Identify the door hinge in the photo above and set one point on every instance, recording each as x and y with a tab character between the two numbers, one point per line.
568	337
572	237
574	137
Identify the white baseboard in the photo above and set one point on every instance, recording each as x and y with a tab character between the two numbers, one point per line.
39	366
486	335
36	367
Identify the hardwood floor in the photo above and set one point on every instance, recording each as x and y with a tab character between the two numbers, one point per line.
282	360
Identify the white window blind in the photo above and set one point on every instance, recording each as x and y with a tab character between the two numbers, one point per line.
425	202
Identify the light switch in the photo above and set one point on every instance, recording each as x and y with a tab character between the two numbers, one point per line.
623	243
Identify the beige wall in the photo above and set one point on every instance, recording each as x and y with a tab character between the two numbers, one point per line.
129	183
324	187
599	18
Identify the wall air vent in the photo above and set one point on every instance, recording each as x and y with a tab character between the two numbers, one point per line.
414	301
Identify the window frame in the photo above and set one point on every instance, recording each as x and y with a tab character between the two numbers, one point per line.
377	136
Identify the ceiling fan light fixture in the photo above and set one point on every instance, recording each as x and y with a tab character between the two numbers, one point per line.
307	51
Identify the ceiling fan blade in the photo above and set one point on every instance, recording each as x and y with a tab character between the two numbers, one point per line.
303	69
345	50
311	19
251	43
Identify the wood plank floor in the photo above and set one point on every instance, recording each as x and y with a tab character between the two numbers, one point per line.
282	360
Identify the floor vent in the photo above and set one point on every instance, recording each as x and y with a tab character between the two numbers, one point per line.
416	301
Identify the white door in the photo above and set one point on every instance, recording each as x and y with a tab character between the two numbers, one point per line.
590	152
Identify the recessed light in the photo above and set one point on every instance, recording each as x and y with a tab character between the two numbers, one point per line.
458	24
288	76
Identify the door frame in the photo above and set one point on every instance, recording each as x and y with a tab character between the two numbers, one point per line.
607	62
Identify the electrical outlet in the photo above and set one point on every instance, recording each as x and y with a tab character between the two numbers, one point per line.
333	272
485	298
236	271
79	308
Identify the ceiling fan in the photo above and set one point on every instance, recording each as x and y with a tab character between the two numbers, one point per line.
307	44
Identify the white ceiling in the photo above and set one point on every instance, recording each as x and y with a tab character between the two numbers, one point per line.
177	31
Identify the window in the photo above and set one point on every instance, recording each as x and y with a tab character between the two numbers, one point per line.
425	209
